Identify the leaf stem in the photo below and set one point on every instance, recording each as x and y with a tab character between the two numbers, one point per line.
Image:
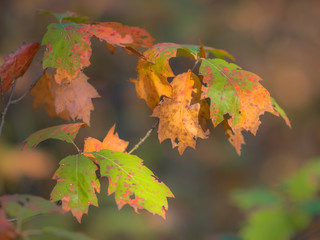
145	137
7	106
2	95
30	88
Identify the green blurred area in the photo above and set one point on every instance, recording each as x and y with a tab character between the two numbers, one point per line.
278	40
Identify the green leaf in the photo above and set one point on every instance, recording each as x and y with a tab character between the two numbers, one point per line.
275	224
67	47
132	182
279	110
76	185
218	53
25	206
65	132
64	234
246	199
67	16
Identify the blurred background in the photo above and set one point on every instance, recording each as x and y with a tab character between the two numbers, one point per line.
277	39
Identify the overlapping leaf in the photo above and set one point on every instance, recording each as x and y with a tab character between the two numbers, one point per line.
179	115
236	93
132	182
76	185
69	99
65	132
16	64
67	16
111	142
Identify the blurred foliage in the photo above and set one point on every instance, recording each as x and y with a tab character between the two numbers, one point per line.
283	212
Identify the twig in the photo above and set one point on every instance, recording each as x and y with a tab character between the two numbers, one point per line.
2	95
32	85
145	137
7	107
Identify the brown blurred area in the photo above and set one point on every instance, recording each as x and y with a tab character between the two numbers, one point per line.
277	39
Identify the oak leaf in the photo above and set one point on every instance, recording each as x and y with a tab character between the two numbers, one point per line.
132	182
111	142
179	115
16	64
76	185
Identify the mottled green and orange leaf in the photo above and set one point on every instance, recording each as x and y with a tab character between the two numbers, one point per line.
237	93
77	185
132	182
179	115
65	132
16	64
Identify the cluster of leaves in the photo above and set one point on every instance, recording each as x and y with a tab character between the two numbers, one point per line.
219	91
289	212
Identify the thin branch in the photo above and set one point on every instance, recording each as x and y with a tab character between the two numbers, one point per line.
7	107
145	137
32	85
2	95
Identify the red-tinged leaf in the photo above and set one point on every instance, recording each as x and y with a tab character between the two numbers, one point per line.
179	115
67	47
7	231
132	182
280	111
76	185
140	37
16	64
25	206
67	16
153	71
65	132
234	92
111	142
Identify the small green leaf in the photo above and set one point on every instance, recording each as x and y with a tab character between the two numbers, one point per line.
67	16
279	110
25	206
76	185
218	53
246	199
65	132
132	182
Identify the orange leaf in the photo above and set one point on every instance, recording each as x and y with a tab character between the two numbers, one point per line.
16	64
111	142
179	115
69	99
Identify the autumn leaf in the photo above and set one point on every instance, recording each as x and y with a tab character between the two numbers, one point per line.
67	47
65	132
179	115
76	185
25	206
153	71
280	111
132	182
236	93
111	142
16	64
70	99
7	230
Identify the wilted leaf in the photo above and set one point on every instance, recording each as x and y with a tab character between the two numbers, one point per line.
68	99
76	185
132	182
16	64
68	47
32	163
111	142
65	132
25	206
236	93
179	115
